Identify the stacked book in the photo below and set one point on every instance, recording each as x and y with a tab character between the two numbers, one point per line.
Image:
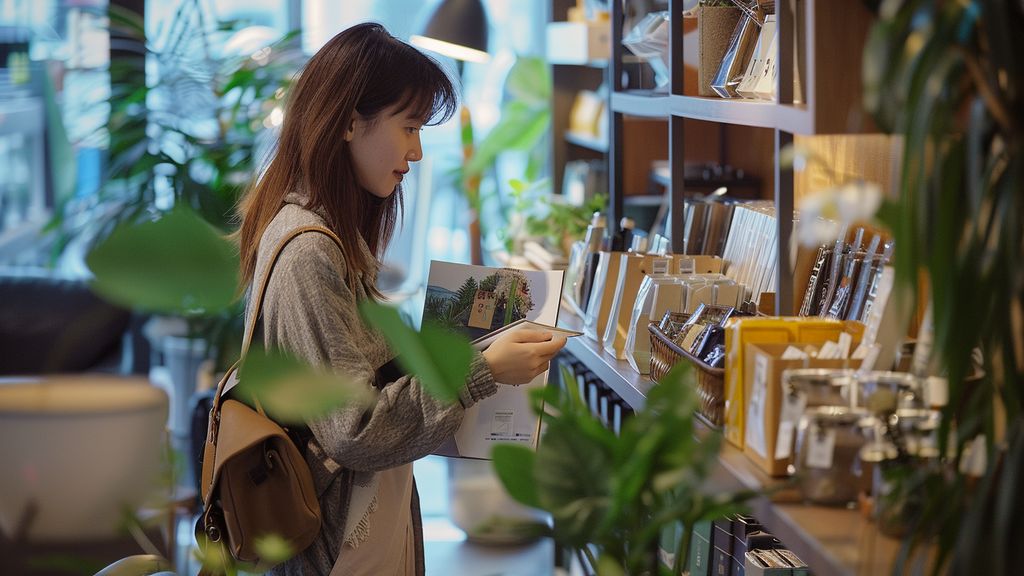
706	226
751	248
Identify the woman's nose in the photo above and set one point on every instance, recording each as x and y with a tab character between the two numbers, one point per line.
415	154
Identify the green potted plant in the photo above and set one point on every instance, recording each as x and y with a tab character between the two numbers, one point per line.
191	132
186	134
948	77
617	494
524	121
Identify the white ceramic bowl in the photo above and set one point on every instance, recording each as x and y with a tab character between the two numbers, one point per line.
81	450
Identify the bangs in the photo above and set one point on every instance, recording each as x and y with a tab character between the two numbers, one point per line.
429	93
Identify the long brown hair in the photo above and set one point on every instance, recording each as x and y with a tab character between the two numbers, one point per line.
363	69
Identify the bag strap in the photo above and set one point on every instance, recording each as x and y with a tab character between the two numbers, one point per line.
261	290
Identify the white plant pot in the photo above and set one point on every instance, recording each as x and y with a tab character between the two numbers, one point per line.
81	450
480	506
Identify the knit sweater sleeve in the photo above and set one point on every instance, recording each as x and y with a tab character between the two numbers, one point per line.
310	311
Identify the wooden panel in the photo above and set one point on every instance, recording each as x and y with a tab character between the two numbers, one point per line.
871	157
753	150
643	142
839	33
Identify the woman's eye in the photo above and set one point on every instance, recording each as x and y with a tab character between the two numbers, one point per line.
412	129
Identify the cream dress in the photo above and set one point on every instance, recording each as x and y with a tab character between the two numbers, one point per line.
389	548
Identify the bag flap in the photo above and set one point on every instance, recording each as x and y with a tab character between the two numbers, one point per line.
240	428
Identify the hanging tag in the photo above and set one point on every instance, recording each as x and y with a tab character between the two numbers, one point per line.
660	266
792	409
820	447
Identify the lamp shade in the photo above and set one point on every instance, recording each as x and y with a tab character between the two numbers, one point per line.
458	29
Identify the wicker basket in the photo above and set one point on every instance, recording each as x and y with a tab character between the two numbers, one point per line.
710	381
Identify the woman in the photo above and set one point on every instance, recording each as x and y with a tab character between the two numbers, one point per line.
350	132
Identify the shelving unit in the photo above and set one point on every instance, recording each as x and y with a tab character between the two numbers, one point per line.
833	541
831	94
827	43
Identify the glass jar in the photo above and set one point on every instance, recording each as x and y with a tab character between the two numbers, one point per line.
819	386
876	450
827	463
884	392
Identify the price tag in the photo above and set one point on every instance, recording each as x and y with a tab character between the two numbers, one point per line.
792	408
820	447
756	408
659	266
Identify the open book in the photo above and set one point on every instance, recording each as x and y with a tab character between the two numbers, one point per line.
484	303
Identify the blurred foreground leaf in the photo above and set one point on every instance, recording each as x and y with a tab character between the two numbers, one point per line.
291	391
178	264
438	357
515	467
273	548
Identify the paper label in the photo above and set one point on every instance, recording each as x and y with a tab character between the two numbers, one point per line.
792	408
501	423
659	266
756	407
820	447
482	313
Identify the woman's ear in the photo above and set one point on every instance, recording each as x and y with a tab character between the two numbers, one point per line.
350	133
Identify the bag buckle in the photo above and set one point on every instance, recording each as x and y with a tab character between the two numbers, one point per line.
213	533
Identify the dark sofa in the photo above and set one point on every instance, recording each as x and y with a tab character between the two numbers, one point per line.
52	323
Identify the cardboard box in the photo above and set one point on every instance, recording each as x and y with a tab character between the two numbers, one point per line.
700	556
578	42
696	264
700	549
721	547
766	563
671	534
763	394
742	331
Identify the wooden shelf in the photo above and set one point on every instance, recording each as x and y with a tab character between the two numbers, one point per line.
832	541
744	112
617	374
587	141
640	103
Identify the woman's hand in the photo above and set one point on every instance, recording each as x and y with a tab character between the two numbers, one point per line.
520	355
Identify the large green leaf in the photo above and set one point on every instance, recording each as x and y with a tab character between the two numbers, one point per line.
520	128
438	357
178	264
529	81
572	474
291	391
515	468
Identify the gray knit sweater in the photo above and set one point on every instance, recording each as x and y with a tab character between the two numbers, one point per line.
310	311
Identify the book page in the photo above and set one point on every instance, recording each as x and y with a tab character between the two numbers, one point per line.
483	302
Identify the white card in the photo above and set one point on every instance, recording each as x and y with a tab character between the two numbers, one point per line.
792	408
820	447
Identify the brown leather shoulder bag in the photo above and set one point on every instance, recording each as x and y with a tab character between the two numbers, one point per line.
255	481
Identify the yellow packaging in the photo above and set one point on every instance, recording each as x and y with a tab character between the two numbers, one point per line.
756	330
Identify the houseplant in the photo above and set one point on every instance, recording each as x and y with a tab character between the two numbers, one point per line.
948	77
189	134
524	121
618	493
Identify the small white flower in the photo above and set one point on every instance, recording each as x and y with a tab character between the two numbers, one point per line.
824	213
858	201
